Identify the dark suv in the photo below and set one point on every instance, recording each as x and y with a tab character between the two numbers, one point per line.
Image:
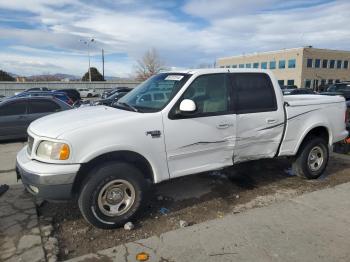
17	113
339	89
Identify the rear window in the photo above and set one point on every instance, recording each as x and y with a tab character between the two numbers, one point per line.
253	93
42	106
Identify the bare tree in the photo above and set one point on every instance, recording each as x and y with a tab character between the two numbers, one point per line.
149	65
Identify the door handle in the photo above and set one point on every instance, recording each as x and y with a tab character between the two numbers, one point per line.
271	121
224	125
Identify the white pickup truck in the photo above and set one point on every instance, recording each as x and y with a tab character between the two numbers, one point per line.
174	124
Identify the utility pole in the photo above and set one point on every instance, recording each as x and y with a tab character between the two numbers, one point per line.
88	47
103	64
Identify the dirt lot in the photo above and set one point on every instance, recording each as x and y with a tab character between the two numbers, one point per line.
194	199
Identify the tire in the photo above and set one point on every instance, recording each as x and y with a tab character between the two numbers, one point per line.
105	187
312	158
89	95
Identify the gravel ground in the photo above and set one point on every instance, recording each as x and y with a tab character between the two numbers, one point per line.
193	199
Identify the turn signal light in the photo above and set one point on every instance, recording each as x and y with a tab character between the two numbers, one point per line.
143	256
64	152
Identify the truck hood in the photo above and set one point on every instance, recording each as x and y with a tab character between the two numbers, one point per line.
54	125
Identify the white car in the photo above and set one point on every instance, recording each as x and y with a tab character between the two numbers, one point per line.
84	92
107	158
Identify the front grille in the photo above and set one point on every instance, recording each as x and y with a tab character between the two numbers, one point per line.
30	144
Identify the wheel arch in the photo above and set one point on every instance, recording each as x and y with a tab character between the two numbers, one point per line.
131	157
315	131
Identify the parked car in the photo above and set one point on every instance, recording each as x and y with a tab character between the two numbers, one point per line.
84	92
73	94
59	95
2	97
34	89
107	157
110	100
17	113
300	91
342	89
111	91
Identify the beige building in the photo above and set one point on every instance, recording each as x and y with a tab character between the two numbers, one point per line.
303	67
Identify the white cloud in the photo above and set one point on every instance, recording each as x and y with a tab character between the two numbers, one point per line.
231	27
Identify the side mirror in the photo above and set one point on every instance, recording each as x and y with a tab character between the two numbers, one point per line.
187	106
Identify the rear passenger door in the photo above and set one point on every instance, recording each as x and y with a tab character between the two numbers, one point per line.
13	119
41	107
260	116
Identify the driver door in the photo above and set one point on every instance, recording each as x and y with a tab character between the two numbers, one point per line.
205	139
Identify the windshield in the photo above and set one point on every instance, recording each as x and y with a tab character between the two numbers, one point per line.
155	93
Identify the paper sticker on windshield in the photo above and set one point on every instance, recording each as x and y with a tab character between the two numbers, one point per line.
174	77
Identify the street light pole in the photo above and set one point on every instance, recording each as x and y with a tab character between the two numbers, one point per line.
88	47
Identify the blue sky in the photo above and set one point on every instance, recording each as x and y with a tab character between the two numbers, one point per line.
43	36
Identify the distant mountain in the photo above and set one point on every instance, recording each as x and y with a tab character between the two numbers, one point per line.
13	75
61	77
52	77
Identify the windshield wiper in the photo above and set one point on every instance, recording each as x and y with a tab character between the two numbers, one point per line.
129	106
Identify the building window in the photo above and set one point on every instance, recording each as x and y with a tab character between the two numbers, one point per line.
263	65
309	63
256	65
234	66
339	62
282	64
281	82
291	63
241	66
227	66
307	83
272	64
337	81
325	63
331	63
317	63
290	82
346	64
222	67
323	82
248	65
330	81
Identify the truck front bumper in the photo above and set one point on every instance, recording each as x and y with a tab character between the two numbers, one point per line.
48	181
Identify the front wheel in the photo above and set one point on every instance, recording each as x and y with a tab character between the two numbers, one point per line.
312	158
112	195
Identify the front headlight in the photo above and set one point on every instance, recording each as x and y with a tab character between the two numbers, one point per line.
53	150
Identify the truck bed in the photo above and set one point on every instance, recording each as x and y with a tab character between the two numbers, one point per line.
305	112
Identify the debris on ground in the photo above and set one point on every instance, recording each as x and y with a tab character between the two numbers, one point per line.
164	211
289	172
129	226
237	196
3	189
183	223
160	198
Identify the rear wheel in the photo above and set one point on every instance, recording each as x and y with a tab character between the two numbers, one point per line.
312	158
89	95
112	195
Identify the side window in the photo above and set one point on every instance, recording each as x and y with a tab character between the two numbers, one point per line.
253	93
42	106
14	108
210	94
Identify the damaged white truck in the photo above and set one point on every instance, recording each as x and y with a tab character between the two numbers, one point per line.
174	124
